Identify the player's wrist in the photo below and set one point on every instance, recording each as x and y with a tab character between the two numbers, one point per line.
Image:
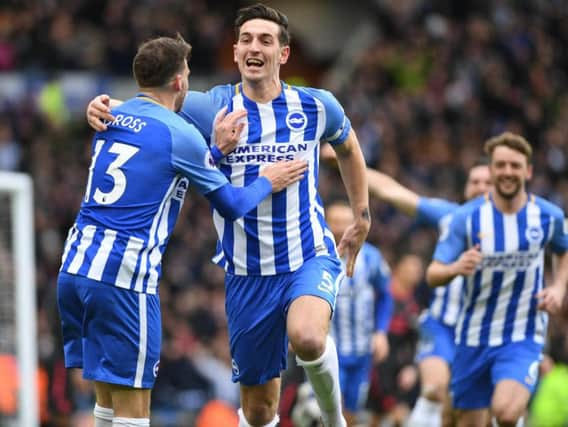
362	217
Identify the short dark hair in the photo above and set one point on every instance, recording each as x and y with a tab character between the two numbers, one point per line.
159	60
260	11
510	140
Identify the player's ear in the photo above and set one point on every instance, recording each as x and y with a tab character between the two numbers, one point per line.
177	83
235	53
284	54
529	172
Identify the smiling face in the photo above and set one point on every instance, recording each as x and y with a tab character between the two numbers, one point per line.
509	171
258	52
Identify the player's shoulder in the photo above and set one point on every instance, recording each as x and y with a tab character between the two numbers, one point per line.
547	206
221	95
437	206
142	115
469	207
322	95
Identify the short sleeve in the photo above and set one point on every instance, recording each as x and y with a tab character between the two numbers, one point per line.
559	241
337	125
452	243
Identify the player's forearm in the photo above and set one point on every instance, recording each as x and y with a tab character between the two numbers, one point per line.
383	312
560	270
234	202
353	172
385	188
439	274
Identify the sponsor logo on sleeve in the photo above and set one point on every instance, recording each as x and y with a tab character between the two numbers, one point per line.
209	161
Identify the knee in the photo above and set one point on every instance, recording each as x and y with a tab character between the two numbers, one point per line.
308	344
506	416
435	392
259	414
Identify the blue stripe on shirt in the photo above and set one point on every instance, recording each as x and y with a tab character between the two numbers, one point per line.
310	109
251	225
518	284
475	229
279	203
497	279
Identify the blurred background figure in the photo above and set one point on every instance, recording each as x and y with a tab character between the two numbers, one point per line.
394	383
361	318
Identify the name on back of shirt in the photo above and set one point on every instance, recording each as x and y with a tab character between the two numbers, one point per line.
128	122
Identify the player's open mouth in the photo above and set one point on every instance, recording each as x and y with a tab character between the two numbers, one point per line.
254	62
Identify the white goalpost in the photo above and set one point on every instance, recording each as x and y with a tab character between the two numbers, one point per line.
17	290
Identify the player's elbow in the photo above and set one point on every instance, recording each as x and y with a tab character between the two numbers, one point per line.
229	213
434	275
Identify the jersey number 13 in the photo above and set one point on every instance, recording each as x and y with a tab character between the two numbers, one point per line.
124	153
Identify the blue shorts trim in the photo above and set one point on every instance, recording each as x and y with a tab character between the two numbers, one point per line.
476	371
114	334
436	340
256	309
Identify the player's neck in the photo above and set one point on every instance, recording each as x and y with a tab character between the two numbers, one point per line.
166	100
509	206
262	91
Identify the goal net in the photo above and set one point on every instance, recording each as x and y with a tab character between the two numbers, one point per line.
18	352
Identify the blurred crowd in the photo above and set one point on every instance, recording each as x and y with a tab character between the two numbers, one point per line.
439	79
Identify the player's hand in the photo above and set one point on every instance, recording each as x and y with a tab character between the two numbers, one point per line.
468	261
551	298
351	242
284	173
227	129
379	346
99	110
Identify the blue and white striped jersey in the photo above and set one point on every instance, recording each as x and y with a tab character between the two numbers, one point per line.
364	304
140	170
288	227
500	304
446	301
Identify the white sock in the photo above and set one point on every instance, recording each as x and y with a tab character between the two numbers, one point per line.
520	422
323	374
244	423
130	422
426	413
103	416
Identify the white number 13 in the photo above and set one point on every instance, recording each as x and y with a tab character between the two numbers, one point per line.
125	152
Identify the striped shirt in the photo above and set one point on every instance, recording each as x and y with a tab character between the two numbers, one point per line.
500	304
364	304
446	301
140	170
288	227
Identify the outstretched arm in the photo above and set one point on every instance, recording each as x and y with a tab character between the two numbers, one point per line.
387	189
352	168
